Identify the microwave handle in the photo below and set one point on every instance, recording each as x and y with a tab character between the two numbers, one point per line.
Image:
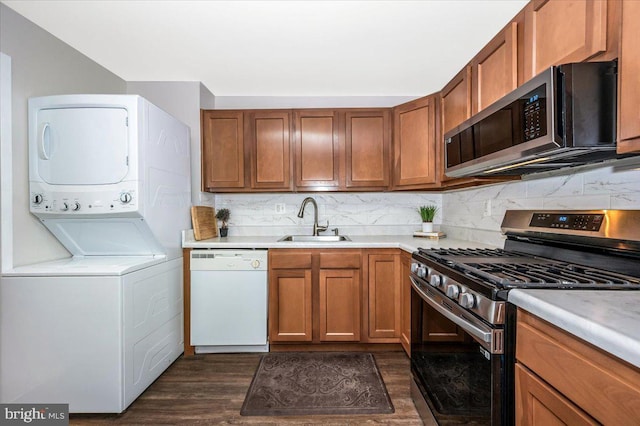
560	104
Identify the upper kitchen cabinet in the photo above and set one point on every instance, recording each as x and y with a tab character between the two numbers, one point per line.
456	100
629	82
223	150
414	141
494	71
563	31
317	150
367	149
268	135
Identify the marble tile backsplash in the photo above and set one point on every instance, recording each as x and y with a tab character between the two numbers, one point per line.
473	214
476	214
366	213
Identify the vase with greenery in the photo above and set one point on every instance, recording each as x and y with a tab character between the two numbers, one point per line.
223	216
427	213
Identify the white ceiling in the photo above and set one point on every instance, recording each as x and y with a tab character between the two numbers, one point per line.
279	48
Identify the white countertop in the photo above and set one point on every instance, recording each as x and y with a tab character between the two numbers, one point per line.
609	320
405	242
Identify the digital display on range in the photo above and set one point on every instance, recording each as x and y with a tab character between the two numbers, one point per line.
576	222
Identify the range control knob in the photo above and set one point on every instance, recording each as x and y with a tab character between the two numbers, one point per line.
435	280
125	197
75	206
37	199
414	267
64	207
467	300
422	271
453	291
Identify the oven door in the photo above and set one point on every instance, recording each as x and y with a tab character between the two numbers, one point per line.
457	362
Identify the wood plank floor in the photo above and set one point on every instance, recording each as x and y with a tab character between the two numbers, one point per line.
209	389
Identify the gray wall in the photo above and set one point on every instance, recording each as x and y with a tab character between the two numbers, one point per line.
41	65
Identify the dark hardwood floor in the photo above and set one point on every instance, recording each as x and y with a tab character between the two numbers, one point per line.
209	389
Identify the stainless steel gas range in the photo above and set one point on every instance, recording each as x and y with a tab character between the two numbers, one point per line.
463	328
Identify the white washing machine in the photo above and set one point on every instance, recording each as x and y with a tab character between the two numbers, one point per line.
91	332
109	176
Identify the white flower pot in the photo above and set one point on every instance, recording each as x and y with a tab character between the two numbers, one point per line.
427	226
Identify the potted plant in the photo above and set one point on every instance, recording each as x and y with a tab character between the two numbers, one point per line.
223	216
427	213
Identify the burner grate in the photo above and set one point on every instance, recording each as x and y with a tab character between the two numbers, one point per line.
548	273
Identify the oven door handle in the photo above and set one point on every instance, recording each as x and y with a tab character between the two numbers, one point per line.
484	336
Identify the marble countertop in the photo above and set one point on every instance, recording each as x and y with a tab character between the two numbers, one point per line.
405	242
607	319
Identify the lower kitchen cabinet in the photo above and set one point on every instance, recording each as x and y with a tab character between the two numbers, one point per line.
560	379
383	289
314	295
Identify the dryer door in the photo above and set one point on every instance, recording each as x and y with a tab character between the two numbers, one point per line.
82	146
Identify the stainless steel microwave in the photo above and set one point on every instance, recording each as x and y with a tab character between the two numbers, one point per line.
565	116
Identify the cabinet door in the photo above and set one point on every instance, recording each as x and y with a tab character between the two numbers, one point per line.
563	31
537	403
405	304
456	100
495	68
222	149
367	144
290	305
268	133
629	80
414	144
317	149
340	305
384	295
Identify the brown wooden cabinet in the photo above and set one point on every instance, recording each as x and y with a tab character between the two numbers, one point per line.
456	100
495	69
563	31
563	378
268	136
317	149
315	295
414	140
628	80
367	148
384	294
223	150
290	296
540	404
405	302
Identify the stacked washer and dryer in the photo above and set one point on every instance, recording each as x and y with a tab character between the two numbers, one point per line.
110	178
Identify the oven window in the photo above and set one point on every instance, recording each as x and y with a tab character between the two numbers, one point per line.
455	374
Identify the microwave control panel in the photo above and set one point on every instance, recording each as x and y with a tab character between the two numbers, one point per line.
535	114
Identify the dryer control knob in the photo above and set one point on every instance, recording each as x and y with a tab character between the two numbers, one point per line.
37	199
125	197
65	207
75	206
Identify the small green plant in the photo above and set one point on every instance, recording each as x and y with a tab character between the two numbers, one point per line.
223	216
427	213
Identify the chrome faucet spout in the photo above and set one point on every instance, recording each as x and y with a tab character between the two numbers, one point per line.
316	228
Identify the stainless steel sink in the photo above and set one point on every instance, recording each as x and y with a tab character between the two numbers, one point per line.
314	239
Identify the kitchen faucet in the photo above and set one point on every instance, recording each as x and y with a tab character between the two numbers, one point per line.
316	228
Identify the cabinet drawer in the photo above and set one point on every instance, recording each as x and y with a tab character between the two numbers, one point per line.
289	260
340	259
604	386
